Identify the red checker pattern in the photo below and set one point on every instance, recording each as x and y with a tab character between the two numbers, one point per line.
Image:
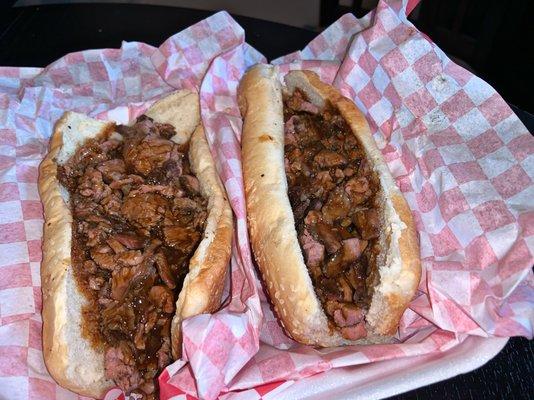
431	160
492	215
32	209
427	198
495	109
212	56
521	147
486	143
270	367
8	137
39	389
451	203
26	173
511	182
458	105
367	62
516	260
12	232
446	137
420	102
427	67
369	95
413	129
9	191
444	243
14	276
35	340
394	62
400	34
13	361
467	172
34	250
479	254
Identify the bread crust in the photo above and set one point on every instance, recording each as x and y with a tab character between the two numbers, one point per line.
56	278
272	226
203	285
69	357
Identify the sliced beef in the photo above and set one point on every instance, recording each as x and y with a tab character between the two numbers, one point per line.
368	224
144	211
112	170
115	245
138	215
127	180
313	217
348	314
329	159
86	156
164	270
109	145
337	206
93	186
130	258
345	288
162	298
358	190
313	250
188	212
90	267
170	169
354	332
289	131
352	249
119	364
335	265
356	278
190	184
112	203
323	183
164	353
151	153
306	106
96	282
117	318
330	290
298	103
164	190
121	281
329	236
332	192
104	260
130	240
179	237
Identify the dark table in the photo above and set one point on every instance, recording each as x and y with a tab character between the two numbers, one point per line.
36	36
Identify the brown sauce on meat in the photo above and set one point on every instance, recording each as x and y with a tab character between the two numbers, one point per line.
138	217
333	191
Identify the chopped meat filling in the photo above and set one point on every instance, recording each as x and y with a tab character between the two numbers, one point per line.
138	217
333	192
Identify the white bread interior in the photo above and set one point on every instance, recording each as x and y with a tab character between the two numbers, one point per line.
69	357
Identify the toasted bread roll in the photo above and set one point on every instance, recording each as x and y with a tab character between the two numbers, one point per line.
332	234
117	254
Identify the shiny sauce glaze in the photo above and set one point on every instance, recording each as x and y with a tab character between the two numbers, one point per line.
138	216
333	195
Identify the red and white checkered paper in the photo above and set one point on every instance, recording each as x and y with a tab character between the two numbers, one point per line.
462	158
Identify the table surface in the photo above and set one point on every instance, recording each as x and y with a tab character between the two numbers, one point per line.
36	36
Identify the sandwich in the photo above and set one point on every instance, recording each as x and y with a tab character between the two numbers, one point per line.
332	235
137	237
